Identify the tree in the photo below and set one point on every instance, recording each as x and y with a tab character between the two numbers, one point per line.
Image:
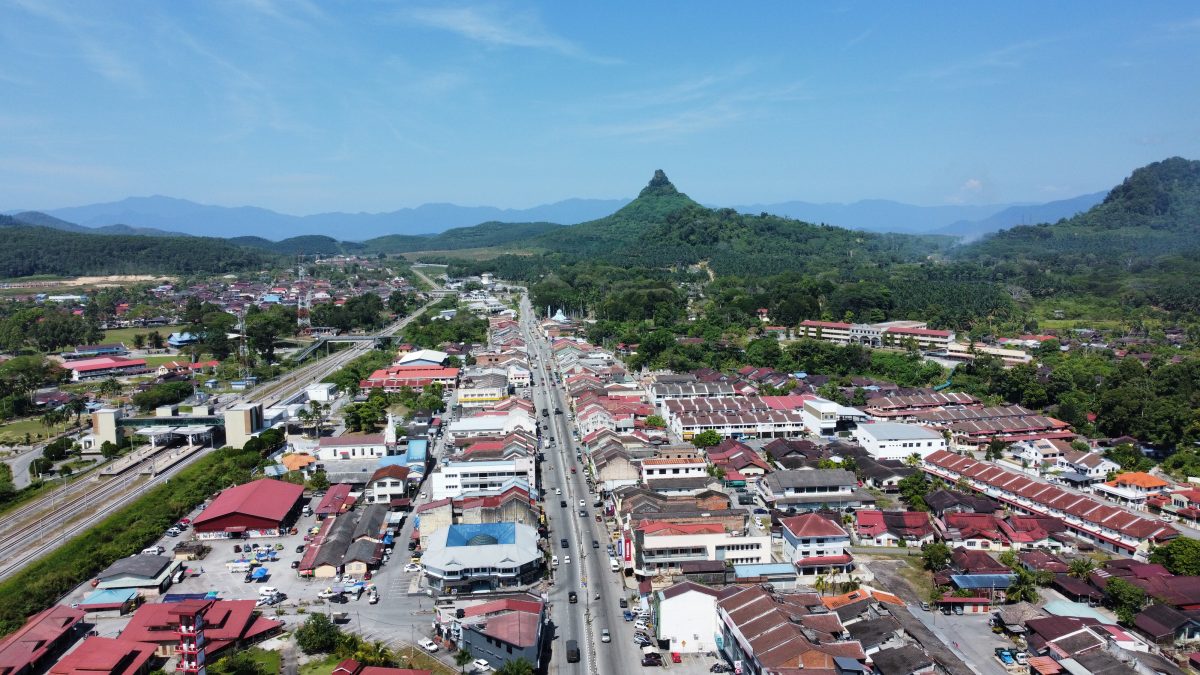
40	466
318	635
706	439
110	387
374	654
1023	587
656	422
936	556
520	666
462	658
139	340
1126	599
1181	556
109	450
239	663
76	406
913	490
319	481
1080	568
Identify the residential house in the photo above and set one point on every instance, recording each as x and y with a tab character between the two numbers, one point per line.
816	545
686	614
809	490
893	528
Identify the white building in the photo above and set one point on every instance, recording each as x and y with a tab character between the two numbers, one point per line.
423	357
687	616
479	396
491	424
322	392
658	468
811	540
1091	465
455	477
660	547
891	440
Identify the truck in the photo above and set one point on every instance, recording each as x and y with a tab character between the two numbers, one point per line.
339	617
238	566
614	565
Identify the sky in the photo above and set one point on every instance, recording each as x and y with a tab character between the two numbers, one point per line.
306	107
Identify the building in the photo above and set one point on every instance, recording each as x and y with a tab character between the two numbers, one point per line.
687	617
817	546
890	440
491	423
388	485
226	624
1085	468
40	640
424	357
353	446
395	378
665	468
504	630
902	408
813	489
457	476
661	546
893	528
261	508
105	367
890	334
481	557
1111	528
149	575
1132	489
106	656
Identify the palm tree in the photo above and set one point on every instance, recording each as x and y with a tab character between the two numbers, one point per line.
822	584
110	387
1023	587
374	654
77	406
1080	568
913	460
462	658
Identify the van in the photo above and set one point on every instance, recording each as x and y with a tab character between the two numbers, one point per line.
308	510
554	561
153	550
614	565
572	651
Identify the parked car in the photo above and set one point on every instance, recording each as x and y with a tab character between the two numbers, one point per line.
572	597
652	659
565	543
480	666
172	532
300	548
412	567
623	603
295	564
428	645
605	636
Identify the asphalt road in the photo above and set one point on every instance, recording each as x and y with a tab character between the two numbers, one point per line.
588	574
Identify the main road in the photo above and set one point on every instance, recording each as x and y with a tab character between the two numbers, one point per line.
599	589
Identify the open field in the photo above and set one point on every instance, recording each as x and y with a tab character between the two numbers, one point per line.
14	432
467	253
126	334
53	285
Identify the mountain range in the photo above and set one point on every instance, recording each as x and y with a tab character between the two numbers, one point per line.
158	215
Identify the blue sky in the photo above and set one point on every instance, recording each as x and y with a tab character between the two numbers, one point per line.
369	105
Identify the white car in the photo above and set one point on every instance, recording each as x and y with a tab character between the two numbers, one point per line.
480	666
412	567
582	503
558	491
268	590
567	560
428	645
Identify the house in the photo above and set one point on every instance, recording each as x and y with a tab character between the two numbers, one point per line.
353	446
105	367
1132	488
504	630
482	556
687	617
816	545
1043	452
1085	468
893	528
905	660
664	468
661	546
1166	626
149	575
387	485
227	624
352	667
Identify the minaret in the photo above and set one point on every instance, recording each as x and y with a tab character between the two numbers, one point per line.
191	637
389	434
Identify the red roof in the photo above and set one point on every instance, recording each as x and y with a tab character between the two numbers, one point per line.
825	324
265	499
352	667
103	363
225	622
660	527
825	560
812	525
105	655
22	650
917	331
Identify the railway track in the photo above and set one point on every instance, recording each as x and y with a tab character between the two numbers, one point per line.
45	523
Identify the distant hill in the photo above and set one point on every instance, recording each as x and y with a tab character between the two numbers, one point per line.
879	215
1029	214
183	216
310	244
664	227
39	219
30	250
1141	244
484	235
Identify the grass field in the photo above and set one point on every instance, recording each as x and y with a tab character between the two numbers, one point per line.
126	334
14	432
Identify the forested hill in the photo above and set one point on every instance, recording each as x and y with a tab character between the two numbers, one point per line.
664	227
484	235
309	244
1140	243
31	250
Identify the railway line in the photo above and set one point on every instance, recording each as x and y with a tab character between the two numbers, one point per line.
45	523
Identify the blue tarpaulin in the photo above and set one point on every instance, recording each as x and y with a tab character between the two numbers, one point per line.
260	573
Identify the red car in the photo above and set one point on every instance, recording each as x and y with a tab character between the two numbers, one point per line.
572	469
367	575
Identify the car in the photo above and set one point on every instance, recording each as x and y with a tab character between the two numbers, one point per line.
565	543
595	544
761	512
373	597
612	550
925	606
582	503
428	645
172	532
480	665
605	636
648	660
566	560
185	521
412	567
367	575
300	548
583	513
295	564
558	491
572	597
562	503
1022	658
623	603
958	610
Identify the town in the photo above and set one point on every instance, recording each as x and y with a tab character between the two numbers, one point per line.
524	501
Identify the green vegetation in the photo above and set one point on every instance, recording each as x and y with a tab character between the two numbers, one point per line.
162	394
1180	556
253	661
347	377
124	533
429	331
1127	600
20	377
41	250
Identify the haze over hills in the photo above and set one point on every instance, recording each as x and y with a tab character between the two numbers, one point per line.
166	215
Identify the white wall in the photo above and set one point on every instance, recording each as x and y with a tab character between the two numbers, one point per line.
689	621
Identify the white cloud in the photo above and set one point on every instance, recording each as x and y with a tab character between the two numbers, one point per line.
488	26
102	57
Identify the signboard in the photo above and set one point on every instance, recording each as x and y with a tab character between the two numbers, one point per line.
628	549
737	667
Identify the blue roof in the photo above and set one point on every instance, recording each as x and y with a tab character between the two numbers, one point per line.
1076	609
270	297
392	460
110	596
764	570
982	580
418	450
481	534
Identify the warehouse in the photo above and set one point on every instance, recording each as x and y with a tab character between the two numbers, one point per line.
263	508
